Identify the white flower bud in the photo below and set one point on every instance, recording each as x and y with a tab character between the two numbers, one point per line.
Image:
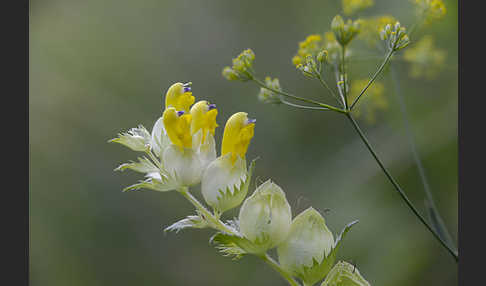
265	216
309	239
185	167
222	183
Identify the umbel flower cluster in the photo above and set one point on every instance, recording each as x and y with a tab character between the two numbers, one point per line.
180	153
325	57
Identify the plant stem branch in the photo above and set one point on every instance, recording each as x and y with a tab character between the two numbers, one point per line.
398	188
380	69
270	261
262	84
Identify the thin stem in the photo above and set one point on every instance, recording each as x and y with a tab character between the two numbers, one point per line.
343	70
385	61
418	162
324	84
336	74
216	223
262	84
303	106
398	188
270	261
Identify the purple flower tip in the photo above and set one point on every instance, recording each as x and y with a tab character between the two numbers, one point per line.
251	121
180	112
211	106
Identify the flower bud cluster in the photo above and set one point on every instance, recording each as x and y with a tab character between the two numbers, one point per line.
371	28
310	56
268	96
345	31
242	67
395	36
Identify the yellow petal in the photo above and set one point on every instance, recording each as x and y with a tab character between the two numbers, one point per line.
238	133
178	127
179	96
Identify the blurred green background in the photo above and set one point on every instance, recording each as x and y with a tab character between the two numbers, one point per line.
101	67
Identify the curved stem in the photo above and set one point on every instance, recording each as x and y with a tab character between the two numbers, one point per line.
302	106
385	61
270	261
442	229
262	84
399	189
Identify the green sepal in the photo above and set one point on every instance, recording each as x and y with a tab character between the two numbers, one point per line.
228	199
233	246
144	165
344	274
311	275
137	139
164	185
192	221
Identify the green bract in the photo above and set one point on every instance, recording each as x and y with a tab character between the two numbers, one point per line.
344	274
265	216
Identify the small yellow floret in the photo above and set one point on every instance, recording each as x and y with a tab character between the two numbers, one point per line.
237	135
178	128
177	98
203	118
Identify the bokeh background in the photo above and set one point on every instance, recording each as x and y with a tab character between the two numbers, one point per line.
101	67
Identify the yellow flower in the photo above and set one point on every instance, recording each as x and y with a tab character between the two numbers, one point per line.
238	132
309	47
179	96
177	125
223	181
203	116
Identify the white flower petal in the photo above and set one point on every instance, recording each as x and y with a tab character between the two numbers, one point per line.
159	139
207	150
185	166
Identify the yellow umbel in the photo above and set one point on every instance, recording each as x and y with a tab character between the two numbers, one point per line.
237	135
203	117
177	124
179	96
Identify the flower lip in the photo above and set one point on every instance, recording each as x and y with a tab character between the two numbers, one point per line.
187	89
180	112
249	121
211	106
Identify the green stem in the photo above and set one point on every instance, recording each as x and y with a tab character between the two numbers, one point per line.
269	260
343	70
442	229
385	61
215	222
398	188
262	84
